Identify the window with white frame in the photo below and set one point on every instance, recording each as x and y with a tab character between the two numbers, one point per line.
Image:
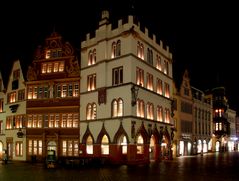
117	76
116	49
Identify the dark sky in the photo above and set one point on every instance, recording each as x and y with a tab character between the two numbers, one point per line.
202	36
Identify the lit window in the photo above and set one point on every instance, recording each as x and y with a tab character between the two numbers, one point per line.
61	67
56	67
158	63
89	145
117	108
91	111
140	77
160	113
19	149
140	50
49	67
159	87
123	144
165	67
140	108
150	81
105	145
91	82
140	142
113	53
48	54
167	90
150	111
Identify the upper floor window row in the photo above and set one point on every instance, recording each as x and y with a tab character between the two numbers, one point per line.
58	91
150	83
53	53
116	49
12	96
92	57
52	67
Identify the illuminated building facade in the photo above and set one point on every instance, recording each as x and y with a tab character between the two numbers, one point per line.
221	126
202	121
126	94
15	114
183	117
53	101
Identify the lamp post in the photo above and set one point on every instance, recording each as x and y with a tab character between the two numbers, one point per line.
134	92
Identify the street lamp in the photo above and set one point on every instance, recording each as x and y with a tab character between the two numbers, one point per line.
134	91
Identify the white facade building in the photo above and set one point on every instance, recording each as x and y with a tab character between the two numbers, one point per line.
126	94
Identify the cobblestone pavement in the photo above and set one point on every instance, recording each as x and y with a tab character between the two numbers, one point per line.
212	167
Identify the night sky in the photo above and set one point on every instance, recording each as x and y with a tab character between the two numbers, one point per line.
202	36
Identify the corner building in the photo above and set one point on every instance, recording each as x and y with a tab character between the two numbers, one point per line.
53	101
126	94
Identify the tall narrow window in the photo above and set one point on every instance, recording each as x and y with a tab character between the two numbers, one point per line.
159	86
140	50
150	81
167	90
150	111
117	76
113	53
165	67
91	111
140	144
118	48
91	82
89	145
150	56
159	113
105	145
158	63
140	108
140	77
117	108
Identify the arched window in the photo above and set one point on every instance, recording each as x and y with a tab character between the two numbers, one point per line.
117	108
160	113
91	111
140	50
89	145
158	63
113	51
140	144
118	48
92	57
123	143
105	145
140	108
150	111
